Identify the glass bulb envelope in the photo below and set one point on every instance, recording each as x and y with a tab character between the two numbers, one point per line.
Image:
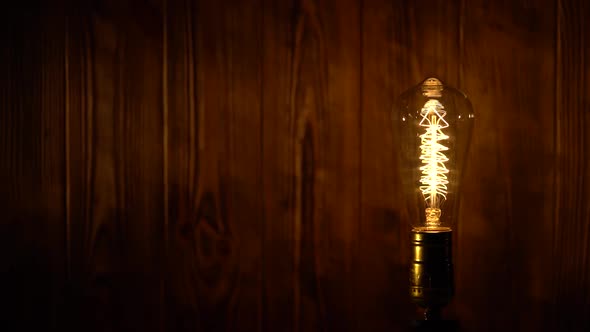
433	124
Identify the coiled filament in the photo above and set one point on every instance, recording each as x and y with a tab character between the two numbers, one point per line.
434	172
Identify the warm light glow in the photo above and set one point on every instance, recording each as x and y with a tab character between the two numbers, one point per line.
434	172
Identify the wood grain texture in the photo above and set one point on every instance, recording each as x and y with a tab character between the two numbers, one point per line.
181	119
508	190
382	232
32	193
429	38
177	165
215	165
116	206
326	92
282	176
309	242
572	187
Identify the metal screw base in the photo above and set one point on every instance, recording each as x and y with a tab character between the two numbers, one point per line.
431	271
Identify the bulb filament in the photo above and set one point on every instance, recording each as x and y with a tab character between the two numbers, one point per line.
434	172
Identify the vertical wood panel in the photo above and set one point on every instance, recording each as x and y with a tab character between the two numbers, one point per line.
183	156
427	35
281	176
326	93
116	162
508	191
202	253
32	193
52	158
244	182
85	301
572	214
215	165
139	168
384	305
213	241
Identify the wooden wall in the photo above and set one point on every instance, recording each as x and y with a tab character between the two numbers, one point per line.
227	165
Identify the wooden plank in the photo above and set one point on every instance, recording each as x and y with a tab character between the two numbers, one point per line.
427	35
571	293
244	179
182	160
140	164
83	298
383	234
116	205
325	96
508	205
213	274
32	194
52	159
215	165
281	180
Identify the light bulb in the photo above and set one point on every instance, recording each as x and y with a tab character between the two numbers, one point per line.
432	130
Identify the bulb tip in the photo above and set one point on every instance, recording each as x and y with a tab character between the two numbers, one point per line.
432	87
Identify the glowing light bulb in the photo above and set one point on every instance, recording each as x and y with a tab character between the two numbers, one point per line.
433	124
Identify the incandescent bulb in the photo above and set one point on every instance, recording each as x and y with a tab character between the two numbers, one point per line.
432	129
433	124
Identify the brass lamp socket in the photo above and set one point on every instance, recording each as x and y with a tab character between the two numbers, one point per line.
431	271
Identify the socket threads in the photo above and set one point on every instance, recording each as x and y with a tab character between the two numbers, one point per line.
431	270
